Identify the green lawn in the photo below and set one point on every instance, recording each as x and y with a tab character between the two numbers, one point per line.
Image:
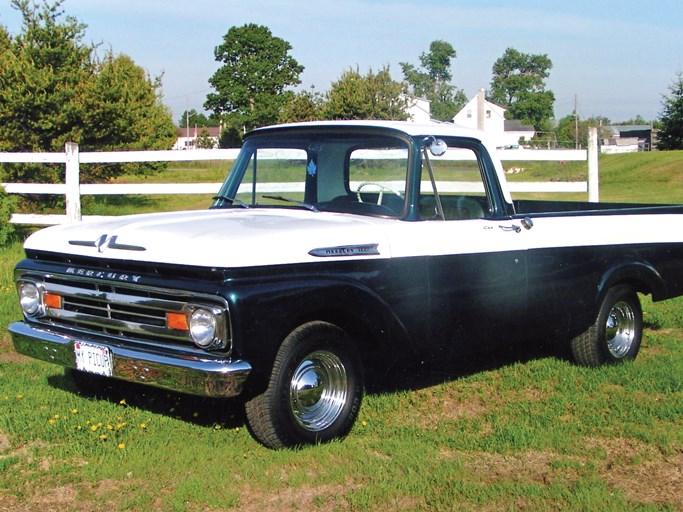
518	430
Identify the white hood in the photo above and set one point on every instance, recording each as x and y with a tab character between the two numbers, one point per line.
221	238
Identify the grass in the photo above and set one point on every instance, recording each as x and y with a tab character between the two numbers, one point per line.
517	430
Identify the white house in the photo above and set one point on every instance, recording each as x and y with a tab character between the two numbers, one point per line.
481	114
187	137
418	109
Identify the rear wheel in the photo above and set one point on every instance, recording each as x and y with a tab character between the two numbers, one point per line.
315	389
616	334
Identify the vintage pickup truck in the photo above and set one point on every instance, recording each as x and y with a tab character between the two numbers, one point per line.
333	249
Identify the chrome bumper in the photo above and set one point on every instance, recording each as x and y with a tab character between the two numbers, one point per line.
207	376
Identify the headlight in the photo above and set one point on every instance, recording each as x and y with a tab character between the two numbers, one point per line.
203	325
29	297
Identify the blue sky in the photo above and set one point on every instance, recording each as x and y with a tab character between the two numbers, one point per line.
616	57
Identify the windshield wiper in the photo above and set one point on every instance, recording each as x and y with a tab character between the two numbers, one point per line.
287	200
233	200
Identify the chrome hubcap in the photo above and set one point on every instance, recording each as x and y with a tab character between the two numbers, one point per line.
318	390
620	329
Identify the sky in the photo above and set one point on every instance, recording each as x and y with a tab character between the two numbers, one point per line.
610	58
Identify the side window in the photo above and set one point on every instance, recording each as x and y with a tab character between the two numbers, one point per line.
379	176
274	172
460	186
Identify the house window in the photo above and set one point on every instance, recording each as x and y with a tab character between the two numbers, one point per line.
488	114
469	114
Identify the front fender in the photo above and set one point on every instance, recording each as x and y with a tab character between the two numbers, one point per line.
264	313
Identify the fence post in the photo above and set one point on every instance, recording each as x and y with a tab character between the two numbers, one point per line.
593	172
73	183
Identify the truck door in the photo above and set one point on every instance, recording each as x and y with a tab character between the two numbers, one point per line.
476	258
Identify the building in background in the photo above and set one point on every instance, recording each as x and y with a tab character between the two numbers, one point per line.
481	114
188	137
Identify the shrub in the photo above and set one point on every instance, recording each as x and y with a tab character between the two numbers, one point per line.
7	205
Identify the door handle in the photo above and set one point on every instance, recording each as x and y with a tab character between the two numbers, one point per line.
526	222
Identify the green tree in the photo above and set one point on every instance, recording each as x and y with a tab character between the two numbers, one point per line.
54	89
251	84
204	140
670	135
573	133
193	118
519	85
373	96
303	106
432	80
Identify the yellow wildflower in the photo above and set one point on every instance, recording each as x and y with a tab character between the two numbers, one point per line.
93	428
103	437
121	446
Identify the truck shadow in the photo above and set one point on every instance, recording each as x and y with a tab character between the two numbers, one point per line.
229	413
445	367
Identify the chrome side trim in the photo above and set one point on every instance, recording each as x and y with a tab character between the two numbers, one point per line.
208	375
346	250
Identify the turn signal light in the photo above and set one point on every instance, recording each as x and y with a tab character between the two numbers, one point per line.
52	301
177	321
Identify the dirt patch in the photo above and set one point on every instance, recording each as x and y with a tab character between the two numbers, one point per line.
305	497
13	357
5	443
530	466
642	472
72	497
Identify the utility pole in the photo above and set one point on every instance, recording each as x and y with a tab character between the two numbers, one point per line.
576	122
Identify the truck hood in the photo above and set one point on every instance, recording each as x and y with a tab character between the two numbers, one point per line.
221	238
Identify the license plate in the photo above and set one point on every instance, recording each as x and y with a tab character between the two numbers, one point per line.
93	358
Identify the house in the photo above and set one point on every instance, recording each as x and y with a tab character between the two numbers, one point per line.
481	114
627	139
418	109
187	137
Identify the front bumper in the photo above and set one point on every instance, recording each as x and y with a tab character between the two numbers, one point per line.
206	376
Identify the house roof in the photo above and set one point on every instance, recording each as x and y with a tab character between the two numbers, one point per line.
195	131
515	125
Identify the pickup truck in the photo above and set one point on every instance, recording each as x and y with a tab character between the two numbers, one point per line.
331	250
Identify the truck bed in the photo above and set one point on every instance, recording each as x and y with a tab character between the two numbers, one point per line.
550	208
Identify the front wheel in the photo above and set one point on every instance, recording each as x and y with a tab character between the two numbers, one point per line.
616	334
315	389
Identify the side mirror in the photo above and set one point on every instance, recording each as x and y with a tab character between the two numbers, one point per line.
437	147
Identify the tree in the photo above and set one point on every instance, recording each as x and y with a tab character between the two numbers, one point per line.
568	137
373	96
302	106
194	118
54	89
519	85
251	84
670	135
432	81
204	141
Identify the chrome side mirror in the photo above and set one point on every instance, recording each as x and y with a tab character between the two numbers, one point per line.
437	147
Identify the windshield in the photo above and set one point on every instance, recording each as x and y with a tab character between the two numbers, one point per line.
352	173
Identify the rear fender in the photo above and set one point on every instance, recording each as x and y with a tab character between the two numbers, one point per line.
641	275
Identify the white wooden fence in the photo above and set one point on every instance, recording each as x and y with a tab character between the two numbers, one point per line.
73	189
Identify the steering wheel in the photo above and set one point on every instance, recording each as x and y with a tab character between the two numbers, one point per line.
382	189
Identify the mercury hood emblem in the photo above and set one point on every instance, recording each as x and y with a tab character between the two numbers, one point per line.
105	242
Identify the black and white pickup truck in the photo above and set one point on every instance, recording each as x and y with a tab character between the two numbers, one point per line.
332	248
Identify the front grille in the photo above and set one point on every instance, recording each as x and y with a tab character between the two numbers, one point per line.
122	310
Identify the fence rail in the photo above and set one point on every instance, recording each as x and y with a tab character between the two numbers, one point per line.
72	189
